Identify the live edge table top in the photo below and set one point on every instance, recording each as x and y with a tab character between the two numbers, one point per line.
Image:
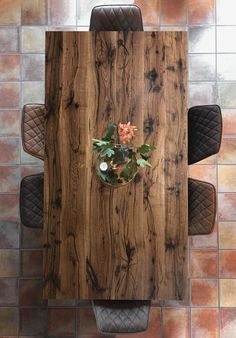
129	242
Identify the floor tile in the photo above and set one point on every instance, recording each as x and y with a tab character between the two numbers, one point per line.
227	98
227	154
31	238
86	324
201	12
33	39
8	321
203	172
31	292
63	303
202	67
205	323
173	12
150	11
227	264
204	292
201	93
8	291
176	323
33	92
209	160
204	263
9	150
31	263
29	160
154	326
9	263
227	178
9	235
9	122
202	39
226	67
9	40
9	67
229	118
227	207
31	169
227	323
33	321
33	67
205	241
9	95
10	12
9	207
225	12
226	39
34	12
228	292
63	12
9	179
227	235
66	318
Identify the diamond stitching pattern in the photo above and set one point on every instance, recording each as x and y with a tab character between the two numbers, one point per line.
33	129
31	201
202	207
204	132
116	18
121	316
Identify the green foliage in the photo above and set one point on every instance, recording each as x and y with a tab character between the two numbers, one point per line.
129	170
143	163
145	148
110	132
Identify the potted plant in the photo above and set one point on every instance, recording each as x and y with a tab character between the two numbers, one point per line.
118	161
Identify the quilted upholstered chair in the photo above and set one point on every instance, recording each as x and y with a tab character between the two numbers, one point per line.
31	201
201	207
121	316
204	132
33	129
116	18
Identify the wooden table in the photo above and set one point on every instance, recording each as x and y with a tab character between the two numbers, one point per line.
101	242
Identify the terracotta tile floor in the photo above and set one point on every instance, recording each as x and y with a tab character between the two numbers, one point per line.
211	310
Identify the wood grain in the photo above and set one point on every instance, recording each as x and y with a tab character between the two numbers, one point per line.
129	242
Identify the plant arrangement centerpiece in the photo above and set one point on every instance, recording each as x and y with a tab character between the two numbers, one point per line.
118	161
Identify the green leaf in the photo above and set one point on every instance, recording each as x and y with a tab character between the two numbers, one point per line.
107	152
143	163
129	170
110	132
100	143
145	148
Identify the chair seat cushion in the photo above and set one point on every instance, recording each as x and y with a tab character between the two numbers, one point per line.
116	18
121	316
31	201
201	206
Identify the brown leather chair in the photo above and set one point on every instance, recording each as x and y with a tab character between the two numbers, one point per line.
31	201
201	207
116	18
33	118
204	132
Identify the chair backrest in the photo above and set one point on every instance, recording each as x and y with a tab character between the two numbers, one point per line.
204	132
33	118
31	201
201	207
116	18
113	316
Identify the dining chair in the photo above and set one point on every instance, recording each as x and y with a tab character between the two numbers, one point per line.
204	132
121	316
31	201
201	207
116	18
33	118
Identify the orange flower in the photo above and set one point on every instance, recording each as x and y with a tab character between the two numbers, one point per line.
126	132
